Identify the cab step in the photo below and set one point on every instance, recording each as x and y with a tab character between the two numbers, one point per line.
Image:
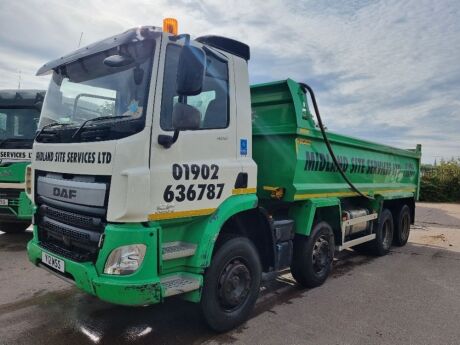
179	283
178	249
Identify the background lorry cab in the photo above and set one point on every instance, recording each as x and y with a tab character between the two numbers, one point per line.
19	116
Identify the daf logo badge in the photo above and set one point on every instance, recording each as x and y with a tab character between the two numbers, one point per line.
65	193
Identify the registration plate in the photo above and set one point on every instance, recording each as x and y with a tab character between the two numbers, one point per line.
53	262
3	202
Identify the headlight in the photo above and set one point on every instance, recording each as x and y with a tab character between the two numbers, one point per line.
125	260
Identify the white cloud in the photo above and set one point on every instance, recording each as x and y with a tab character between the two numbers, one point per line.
378	65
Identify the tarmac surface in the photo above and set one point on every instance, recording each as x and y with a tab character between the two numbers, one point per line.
411	296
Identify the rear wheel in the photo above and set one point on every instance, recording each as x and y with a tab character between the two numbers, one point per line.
313	256
384	234
402	226
14	227
231	284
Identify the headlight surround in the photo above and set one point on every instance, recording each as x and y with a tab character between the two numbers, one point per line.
125	260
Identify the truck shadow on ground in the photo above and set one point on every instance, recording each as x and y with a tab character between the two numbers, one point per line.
81	319
14	242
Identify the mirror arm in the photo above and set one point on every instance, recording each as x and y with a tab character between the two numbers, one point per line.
176	38
168	140
182	99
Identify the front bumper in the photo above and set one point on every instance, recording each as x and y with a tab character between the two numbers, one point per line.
140	288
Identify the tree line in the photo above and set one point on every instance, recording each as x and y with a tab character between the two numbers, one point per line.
441	182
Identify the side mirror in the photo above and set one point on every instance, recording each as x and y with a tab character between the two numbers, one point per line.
190	71
185	117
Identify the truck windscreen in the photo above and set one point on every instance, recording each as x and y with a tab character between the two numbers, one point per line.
88	89
18	127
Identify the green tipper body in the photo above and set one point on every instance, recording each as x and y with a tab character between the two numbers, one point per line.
19	206
293	160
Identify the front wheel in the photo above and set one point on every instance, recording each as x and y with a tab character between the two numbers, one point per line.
14	227
313	256
231	284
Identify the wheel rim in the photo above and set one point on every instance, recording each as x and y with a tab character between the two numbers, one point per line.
386	235
405	226
321	256
234	284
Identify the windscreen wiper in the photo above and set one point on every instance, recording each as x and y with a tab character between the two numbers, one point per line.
49	125
7	140
95	120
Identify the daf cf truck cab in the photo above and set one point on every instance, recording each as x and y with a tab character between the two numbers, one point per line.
153	175
19	116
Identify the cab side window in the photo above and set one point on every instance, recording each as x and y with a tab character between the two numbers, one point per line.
212	102
3	118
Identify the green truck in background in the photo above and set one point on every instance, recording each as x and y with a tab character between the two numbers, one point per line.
19	116
158	171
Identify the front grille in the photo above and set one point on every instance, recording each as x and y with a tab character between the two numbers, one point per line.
69	254
71	218
60	231
6	211
10	193
70	230
69	234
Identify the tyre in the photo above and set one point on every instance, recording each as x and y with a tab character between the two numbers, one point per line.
313	256
402	226
384	234
231	284
14	227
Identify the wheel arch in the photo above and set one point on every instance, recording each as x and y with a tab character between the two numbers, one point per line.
256	225
210	227
310	212
395	205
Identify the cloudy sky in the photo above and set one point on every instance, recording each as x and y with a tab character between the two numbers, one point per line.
387	71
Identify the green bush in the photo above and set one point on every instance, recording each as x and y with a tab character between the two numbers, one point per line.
441	182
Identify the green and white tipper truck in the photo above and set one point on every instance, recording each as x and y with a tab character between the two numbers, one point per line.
158	171
19	115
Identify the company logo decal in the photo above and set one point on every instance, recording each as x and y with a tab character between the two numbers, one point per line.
15	156
65	193
87	157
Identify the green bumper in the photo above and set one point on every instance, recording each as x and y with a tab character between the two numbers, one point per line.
140	288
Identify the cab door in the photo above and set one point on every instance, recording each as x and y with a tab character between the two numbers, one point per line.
198	172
